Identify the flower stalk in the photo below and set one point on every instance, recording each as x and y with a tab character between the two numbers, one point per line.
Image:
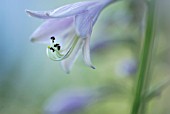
139	103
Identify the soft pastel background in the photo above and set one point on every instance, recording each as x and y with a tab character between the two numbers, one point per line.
30	82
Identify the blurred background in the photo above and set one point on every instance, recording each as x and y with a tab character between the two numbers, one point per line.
30	83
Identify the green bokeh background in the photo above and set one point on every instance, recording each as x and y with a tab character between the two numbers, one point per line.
28	78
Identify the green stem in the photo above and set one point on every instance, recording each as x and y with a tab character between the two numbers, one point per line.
143	76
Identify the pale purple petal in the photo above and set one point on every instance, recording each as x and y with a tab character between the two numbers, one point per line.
96	14
86	53
100	6
68	63
72	9
83	24
52	27
68	10
38	14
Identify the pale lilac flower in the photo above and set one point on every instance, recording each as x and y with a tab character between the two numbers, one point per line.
68	30
127	67
70	101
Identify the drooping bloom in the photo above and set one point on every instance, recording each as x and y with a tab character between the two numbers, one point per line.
68	30
70	101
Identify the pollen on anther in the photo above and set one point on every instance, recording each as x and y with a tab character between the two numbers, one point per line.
53	38
52	49
56	45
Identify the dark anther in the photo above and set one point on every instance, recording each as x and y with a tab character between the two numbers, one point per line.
53	38
52	49
56	45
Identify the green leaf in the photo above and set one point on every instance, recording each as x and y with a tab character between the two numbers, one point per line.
157	90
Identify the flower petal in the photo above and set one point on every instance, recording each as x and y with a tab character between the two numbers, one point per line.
52	27
83	24
68	63
38	14
86	53
72	9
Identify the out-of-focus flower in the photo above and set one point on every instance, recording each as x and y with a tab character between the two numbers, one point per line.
126	67
68	29
70	101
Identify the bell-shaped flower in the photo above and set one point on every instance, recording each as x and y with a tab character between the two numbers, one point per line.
68	30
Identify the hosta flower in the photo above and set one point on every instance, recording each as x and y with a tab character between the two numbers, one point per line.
67	30
70	101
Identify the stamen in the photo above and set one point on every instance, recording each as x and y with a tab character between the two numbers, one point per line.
56	45
53	38
52	49
57	54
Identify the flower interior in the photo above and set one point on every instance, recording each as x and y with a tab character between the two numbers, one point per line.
57	53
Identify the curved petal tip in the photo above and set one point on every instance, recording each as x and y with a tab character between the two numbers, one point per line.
29	12
38	14
86	53
33	39
93	67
